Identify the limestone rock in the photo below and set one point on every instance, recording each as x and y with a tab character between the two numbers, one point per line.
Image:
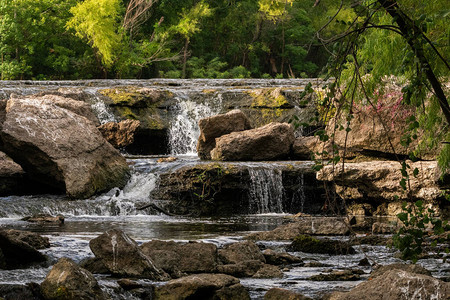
31	238
398	284
280	258
17	253
337	275
239	252
122	256
306	147
309	244
12	176
67	280
410	268
269	271
282	294
216	126
176	258
60	148
246	268
203	286
270	142
119	134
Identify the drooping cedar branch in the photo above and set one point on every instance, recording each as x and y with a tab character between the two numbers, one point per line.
412	33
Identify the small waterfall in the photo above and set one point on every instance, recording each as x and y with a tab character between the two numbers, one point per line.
99	107
184	130
299	195
266	190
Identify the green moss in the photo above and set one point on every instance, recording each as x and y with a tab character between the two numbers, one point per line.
123	96
268	97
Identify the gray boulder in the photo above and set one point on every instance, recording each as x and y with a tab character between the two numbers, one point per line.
270	142
58	147
216	126
239	252
17	253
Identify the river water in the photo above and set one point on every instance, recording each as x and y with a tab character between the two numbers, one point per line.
88	218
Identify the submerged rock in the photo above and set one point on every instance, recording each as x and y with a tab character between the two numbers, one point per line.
122	256
270	142
397	284
16	253
309	244
44	218
203	286
217	126
67	280
119	134
60	148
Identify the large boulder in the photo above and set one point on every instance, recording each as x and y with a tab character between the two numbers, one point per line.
270	142
66	280
203	286
410	268
177	258
31	238
60	148
16	253
241	251
119	134
308	244
216	126
12	176
122	256
397	284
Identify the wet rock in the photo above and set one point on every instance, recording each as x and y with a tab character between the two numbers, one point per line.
33	239
410	268
122	256
60	148
384	228
270	142
217	126
166	159
315	264
280	258
94	265
119	134
128	284
397	284
12	176
177	258
308	244
15	253
337	275
312	226
239	252
203	286
269	271
44	218
67	280
29	291
282	294
364	262
246	268
379	181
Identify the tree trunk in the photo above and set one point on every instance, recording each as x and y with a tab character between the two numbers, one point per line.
410	33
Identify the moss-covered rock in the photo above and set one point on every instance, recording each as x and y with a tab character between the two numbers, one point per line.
308	244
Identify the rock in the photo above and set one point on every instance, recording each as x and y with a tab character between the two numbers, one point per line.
270	142
203	286
57	147
379	180
372	239
94	265
239	252
33	239
336	275
217	126
246	268
280	258
44	218
269	271
312	226
176	258
166	159
128	284
307	147
309	244
410	268
119	134
282	294
122	256
67	280
384	228
364	262
315	264
12	176
16	253
397	284
29	291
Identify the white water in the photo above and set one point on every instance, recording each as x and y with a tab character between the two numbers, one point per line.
266	190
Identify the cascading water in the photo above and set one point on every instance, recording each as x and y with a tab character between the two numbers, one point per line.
99	107
184	130
266	190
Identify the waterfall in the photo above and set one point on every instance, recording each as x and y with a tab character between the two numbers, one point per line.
99	107
266	190
184	130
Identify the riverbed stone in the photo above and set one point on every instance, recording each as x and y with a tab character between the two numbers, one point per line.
16	253
123	257
178	258
29	291
308	244
216	126
268	271
67	280
397	284
410	268
283	294
246	268
202	286
307	225
119	134
270	142
60	148
239	252
337	275
280	258
12	176
31	238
